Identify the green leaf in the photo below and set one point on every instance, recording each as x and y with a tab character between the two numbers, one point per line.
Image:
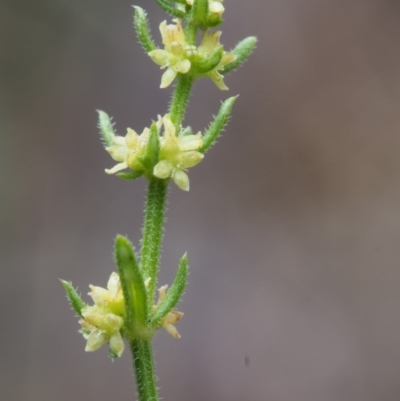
130	175
209	63
106	127
142	28
170	9
200	13
220	121
133	288
242	51
174	294
150	158
73	297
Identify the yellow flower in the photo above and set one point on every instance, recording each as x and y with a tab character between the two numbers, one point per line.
177	154
209	44
173	57
103	321
171	318
126	150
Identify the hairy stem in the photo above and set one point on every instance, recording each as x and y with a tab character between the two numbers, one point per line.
180	99
142	356
151	250
152	234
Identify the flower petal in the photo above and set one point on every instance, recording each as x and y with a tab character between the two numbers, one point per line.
117	343
167	78
116	168
114	284
163	169
183	66
160	57
113	322
190	142
181	179
191	158
96	339
171	329
117	152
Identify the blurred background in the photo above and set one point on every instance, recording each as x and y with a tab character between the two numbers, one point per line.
292	223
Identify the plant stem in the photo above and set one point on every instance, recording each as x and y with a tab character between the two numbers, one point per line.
180	99
144	370
152	234
190	34
151	250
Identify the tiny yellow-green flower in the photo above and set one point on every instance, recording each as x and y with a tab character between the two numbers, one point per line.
173	57
177	154
103	321
209	44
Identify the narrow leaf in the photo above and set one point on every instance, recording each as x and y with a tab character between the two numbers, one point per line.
209	63
73	297
242	52
133	288
130	175
142	28
106	127
174	294
219	123
170	9
150	157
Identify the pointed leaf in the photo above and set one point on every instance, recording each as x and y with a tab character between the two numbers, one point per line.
209	63
73	297
142	28
130	175
106	127
220	121
174	294
170	9
133	288
150	157
242	51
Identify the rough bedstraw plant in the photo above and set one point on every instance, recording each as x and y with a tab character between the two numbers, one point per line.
126	310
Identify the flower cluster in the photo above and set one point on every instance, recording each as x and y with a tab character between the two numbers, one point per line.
174	56
103	321
177	154
180	57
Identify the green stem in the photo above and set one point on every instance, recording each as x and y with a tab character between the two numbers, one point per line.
142	356
152	234
190	34
180	99
151	250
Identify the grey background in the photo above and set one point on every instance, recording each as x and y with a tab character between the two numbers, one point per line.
292	223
